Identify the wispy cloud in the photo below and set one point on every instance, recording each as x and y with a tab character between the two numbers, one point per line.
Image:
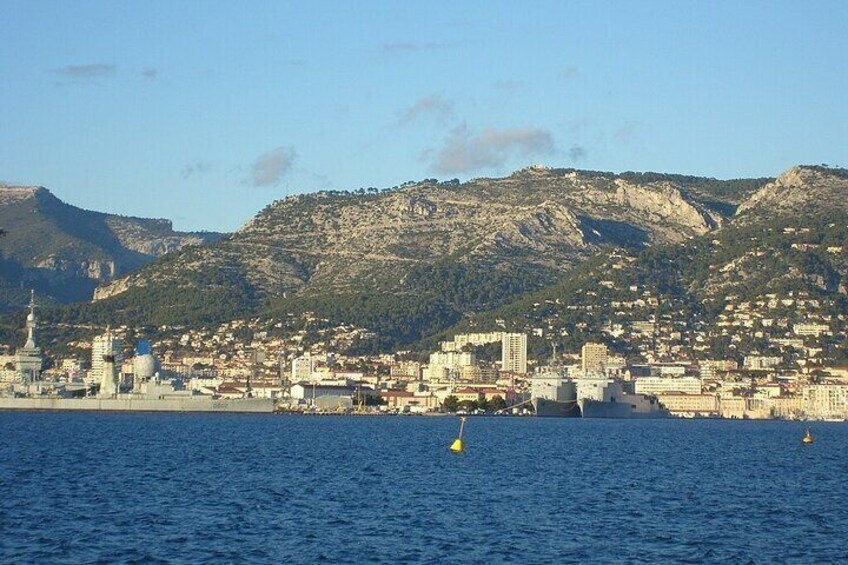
195	168
270	167
433	106
627	133
577	152
412	47
150	74
464	152
570	72
86	72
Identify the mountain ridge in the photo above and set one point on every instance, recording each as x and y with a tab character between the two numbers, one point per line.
64	251
437	248
410	261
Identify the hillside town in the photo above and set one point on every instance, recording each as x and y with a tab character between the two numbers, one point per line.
480	372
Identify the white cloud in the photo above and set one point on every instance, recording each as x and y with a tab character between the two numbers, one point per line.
270	167
464	152
433	105
86	72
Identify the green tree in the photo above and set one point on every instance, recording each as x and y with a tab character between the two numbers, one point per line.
469	405
497	403
451	404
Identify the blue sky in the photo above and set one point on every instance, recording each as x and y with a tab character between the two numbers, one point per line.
204	112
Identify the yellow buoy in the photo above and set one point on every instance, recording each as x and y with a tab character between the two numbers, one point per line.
458	446
808	438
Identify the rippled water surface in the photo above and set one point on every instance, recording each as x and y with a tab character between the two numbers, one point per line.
101	487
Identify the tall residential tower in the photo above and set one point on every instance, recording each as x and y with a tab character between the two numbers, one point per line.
514	353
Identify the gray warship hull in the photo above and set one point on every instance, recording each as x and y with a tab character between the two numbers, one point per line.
247	405
602	409
546	408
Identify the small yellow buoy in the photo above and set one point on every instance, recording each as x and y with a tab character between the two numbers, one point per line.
458	446
808	438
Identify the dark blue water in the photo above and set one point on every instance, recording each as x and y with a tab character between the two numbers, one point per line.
233	488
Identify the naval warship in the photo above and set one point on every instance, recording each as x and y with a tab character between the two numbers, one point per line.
555	395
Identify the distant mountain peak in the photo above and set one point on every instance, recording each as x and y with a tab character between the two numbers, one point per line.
63	251
800	188
10	193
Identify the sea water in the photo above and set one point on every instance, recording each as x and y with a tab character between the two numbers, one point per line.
194	488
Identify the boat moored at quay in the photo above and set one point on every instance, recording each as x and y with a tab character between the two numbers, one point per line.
555	395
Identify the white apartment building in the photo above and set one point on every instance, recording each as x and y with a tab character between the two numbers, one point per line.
815	330
514	353
761	362
302	367
443	362
710	368
461	340
826	401
662	385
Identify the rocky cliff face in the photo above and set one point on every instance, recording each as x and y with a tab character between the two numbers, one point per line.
540	221
798	189
410	261
65	251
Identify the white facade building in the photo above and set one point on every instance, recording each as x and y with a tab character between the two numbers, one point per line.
760	362
815	330
826	401
443	362
461	340
514	353
302	367
662	385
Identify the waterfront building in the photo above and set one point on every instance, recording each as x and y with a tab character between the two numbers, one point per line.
661	385
690	404
327	397
789	407
593	357
826	401
407	401
28	359
514	352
